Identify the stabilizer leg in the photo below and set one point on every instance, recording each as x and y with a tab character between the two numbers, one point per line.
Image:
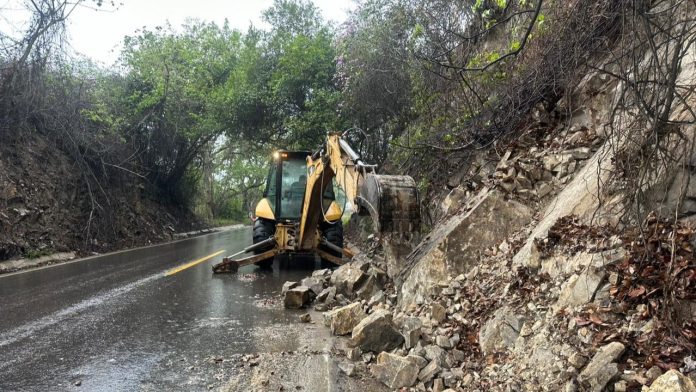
230	266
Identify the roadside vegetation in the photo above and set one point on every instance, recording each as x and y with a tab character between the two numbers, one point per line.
189	114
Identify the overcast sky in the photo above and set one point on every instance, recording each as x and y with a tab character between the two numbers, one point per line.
98	34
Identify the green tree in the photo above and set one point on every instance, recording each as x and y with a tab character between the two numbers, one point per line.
176	89
285	91
376	71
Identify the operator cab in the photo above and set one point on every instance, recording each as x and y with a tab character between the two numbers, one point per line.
285	192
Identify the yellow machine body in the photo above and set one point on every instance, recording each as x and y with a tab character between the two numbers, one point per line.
299	200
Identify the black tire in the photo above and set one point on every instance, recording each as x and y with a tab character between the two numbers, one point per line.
334	234
263	229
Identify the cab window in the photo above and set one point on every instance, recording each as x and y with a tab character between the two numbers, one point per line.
293	184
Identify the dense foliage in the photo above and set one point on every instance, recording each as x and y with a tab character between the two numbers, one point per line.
194	111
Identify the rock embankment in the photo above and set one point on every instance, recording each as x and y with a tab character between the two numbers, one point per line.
524	288
498	328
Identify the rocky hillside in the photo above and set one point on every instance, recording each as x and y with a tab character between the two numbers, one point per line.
562	262
46	206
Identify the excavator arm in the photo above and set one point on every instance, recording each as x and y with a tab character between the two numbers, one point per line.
391	201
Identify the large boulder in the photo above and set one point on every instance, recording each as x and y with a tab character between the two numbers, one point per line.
376	333
342	320
500	332
348	278
673	381
315	283
454	246
602	368
394	371
297	297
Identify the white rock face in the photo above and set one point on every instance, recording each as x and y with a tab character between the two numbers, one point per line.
454	246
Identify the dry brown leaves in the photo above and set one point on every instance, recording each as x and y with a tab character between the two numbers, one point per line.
659	273
570	236
528	285
649	289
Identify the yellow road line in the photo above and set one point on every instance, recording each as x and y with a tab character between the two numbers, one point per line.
191	264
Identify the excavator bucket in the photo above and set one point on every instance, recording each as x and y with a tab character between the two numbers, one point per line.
392	201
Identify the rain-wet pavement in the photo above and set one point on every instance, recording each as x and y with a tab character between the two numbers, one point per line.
118	323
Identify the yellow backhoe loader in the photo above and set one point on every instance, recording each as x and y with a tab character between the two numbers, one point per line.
299	213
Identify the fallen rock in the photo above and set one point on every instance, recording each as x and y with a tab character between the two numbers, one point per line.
452	376
673	381
379	274
305	318
438	385
327	295
543	189
347	368
376	333
287	286
411	331
354	353
429	371
443	341
316	284
394	371
438	312
342	320
436	353
577	360
580	289
500	332
418	360
322	273
348	278
377	298
368	288
296	298
602	368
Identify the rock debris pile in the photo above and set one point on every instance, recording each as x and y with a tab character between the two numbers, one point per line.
589	308
514	289
580	322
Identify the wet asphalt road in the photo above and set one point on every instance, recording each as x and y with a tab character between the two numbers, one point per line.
118	323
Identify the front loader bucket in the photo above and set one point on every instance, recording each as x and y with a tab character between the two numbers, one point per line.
392	201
